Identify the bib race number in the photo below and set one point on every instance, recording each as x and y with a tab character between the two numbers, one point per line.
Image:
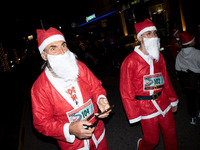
85	112
153	82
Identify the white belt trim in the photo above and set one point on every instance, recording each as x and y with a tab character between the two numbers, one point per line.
151	115
96	142
159	110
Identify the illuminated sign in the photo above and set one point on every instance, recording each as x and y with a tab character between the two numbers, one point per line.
90	17
98	18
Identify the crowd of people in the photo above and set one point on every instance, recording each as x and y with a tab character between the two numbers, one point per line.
143	83
69	102
103	51
183	48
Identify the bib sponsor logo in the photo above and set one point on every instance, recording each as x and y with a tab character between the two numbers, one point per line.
153	82
84	112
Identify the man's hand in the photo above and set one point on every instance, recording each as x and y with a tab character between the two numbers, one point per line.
174	108
79	131
103	105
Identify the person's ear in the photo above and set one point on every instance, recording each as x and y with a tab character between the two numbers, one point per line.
140	38
43	55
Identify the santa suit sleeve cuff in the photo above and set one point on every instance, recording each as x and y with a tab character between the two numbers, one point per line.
174	103
100	96
69	137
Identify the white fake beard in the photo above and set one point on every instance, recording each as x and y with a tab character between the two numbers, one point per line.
152	46
64	66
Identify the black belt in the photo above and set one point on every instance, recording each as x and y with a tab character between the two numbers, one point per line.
152	97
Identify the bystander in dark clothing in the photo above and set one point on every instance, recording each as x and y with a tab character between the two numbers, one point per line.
188	68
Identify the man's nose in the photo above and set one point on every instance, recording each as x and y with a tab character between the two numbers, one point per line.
62	50
154	34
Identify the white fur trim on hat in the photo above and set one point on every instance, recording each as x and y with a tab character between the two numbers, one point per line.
49	40
189	42
145	30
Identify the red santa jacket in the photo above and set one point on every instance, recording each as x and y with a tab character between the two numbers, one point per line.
139	73
52	109
174	48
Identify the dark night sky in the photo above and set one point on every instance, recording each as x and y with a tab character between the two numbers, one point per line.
19	19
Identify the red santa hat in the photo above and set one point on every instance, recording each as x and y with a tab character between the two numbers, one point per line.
145	26
186	38
46	37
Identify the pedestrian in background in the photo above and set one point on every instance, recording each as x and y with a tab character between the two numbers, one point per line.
188	68
146	90
175	44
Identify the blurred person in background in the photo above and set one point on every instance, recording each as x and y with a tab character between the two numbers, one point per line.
175	44
188	68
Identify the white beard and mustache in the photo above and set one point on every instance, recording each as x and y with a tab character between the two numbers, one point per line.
64	66
152	46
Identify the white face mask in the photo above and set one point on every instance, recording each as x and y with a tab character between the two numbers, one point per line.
64	66
152	46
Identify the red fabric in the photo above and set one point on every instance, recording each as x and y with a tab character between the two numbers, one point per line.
174	48
141	25
43	34
151	133
132	72
186	37
50	108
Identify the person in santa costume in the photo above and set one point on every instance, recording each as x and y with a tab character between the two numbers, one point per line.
147	93
175	44
66	97
188	68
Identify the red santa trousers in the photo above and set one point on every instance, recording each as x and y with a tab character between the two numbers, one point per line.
101	146
150	128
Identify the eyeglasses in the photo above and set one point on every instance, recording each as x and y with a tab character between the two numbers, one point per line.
150	34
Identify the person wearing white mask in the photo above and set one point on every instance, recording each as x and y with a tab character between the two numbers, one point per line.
146	90
67	96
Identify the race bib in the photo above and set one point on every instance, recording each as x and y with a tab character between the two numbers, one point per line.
153	82
85	112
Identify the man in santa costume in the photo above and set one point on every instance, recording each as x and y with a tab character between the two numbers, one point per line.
66	97
147	93
188	68
175	44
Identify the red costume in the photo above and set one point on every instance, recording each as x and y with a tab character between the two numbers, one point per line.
142	76
54	108
174	48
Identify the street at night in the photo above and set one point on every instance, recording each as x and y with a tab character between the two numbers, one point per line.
101	34
119	133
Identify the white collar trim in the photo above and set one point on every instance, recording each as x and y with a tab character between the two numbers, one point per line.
145	57
57	83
